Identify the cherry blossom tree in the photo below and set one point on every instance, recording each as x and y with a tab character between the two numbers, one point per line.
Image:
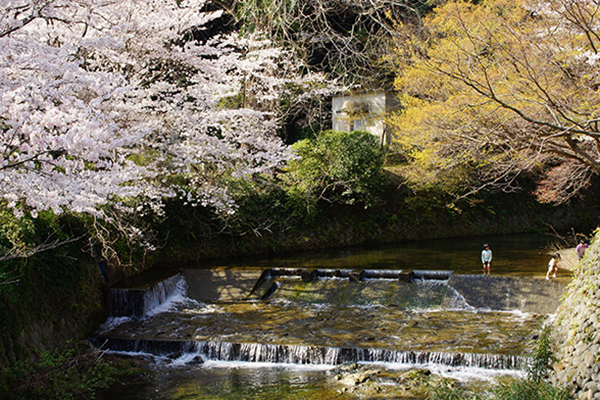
104	100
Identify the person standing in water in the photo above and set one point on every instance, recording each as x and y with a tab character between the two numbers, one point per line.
486	258
553	266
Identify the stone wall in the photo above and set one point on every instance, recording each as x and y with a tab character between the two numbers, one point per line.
577	329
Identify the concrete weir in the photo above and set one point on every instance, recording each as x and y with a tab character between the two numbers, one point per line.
308	275
139	301
508	293
267	283
203	351
331	316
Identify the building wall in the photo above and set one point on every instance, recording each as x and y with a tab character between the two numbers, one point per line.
363	112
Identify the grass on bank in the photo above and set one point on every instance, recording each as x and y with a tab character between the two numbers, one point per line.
535	386
73	372
516	389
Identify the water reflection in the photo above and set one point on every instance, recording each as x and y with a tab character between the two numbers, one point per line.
374	316
522	254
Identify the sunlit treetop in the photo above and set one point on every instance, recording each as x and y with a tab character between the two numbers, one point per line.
498	87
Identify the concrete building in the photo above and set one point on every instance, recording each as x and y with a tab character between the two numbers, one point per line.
365	112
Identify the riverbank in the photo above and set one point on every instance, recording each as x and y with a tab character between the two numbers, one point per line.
577	329
61	295
399	218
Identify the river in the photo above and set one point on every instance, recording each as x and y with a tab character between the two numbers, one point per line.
310	329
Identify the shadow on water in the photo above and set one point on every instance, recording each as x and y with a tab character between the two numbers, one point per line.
234	330
237	381
522	254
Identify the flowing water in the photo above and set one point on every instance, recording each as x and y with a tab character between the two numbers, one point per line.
347	324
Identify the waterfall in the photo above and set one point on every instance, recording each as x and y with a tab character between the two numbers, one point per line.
309	355
454	300
406	275
125	303
506	293
164	292
143	302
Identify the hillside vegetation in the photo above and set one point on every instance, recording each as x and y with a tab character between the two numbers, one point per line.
136	134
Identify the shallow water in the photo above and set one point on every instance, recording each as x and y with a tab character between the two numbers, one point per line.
521	254
389	328
248	381
439	325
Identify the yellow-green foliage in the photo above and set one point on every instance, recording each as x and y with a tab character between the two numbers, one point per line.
483	91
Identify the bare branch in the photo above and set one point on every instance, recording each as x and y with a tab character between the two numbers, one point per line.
28	252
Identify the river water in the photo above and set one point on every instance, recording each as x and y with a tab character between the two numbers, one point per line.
520	254
228	330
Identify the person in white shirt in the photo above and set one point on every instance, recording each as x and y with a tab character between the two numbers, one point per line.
553	266
486	258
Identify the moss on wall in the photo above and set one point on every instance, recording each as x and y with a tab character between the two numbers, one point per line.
58	295
577	329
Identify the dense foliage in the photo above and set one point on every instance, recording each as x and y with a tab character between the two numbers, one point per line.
495	88
337	167
333	170
74	371
46	299
345	39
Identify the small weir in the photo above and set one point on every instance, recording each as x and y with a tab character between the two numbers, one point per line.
525	294
202	351
140	302
331	317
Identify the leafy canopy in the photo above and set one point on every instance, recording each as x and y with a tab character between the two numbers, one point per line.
340	167
498	87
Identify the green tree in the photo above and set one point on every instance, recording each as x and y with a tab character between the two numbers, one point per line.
337	167
344	38
498	87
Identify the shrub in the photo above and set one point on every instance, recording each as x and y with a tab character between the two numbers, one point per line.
337	167
74	371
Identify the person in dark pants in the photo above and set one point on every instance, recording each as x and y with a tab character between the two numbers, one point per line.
580	249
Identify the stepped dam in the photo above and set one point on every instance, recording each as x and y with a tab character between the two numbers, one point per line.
329	317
